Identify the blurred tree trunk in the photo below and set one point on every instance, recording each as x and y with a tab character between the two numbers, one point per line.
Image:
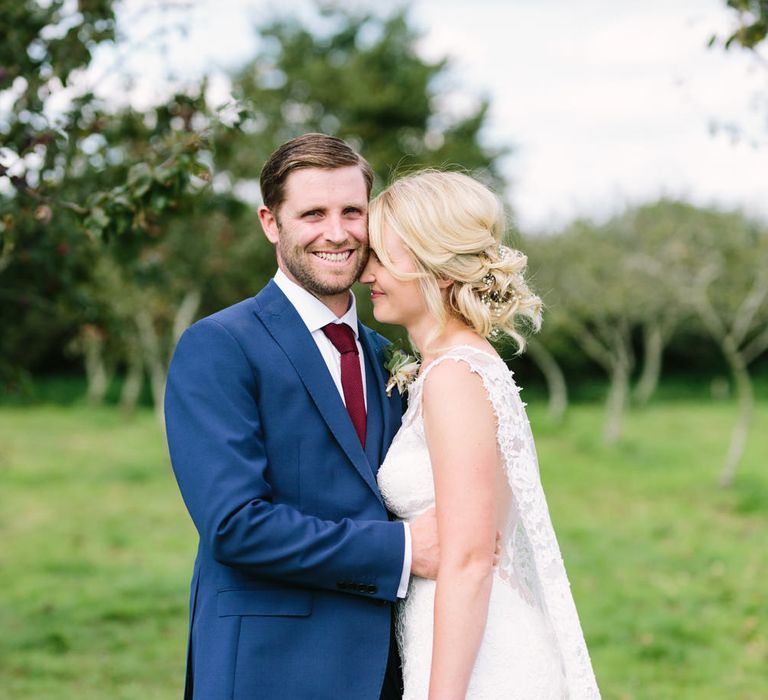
653	348
745	394
96	371
617	395
153	359
556	387
610	345
656	335
134	378
185	314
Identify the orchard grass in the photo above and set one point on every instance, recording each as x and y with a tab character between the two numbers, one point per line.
96	556
669	571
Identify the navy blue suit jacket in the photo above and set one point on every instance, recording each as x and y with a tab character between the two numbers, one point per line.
297	563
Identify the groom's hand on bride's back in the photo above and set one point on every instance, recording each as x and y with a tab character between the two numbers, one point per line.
425	545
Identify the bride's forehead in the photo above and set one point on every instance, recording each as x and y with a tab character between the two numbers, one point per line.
394	246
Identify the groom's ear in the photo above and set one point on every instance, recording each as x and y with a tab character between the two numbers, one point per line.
269	224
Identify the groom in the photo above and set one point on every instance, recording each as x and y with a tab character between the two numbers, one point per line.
277	422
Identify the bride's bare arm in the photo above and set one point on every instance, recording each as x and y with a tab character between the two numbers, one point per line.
461	435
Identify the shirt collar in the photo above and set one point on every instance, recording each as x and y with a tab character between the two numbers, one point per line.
313	312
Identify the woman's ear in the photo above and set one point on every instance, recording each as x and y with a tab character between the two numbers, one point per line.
444	284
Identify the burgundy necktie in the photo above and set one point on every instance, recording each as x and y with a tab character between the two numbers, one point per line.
343	339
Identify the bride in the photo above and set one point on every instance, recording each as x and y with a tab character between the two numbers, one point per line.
465	447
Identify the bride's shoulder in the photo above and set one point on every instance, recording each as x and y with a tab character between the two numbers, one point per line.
454	380
455	403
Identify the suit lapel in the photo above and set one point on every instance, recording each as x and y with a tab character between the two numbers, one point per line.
284	324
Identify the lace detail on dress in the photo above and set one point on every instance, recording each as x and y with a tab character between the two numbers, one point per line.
533	646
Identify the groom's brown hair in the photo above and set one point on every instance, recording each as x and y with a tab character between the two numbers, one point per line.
307	151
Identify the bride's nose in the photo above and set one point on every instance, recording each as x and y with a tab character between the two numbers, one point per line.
367	276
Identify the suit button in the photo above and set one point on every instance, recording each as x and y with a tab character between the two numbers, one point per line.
370	588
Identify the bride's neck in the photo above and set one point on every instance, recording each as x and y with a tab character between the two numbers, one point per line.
431	341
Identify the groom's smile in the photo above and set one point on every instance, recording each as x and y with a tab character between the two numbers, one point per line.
341	257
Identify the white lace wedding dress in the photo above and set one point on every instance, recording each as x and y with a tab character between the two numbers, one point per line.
533	647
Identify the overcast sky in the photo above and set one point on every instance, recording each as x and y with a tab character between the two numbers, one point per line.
605	103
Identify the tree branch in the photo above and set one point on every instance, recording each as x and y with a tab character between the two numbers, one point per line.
703	305
591	345
749	307
756	347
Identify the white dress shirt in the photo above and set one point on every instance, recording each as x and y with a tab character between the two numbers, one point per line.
315	315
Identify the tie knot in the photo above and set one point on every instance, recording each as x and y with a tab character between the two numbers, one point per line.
342	337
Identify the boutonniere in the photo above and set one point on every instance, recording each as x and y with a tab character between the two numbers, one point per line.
401	365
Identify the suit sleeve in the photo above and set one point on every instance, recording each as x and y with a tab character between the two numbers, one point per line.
216	444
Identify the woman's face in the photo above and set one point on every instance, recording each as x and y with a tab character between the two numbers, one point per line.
394	301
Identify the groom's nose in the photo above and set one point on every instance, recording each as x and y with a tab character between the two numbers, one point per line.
335	231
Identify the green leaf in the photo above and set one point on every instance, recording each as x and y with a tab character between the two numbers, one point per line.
164	175
99	217
159	201
201	170
140	178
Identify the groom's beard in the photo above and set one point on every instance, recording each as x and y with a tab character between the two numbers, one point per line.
320	281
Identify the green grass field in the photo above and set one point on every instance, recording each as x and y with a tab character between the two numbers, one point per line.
669	572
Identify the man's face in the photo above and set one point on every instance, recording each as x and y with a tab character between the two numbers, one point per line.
321	231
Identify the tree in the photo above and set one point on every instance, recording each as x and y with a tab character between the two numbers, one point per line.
587	287
45	51
730	295
649	235
557	388
73	178
749	33
356	75
714	267
751	23
42	50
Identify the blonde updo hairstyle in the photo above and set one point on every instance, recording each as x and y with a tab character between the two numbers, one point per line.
453	227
